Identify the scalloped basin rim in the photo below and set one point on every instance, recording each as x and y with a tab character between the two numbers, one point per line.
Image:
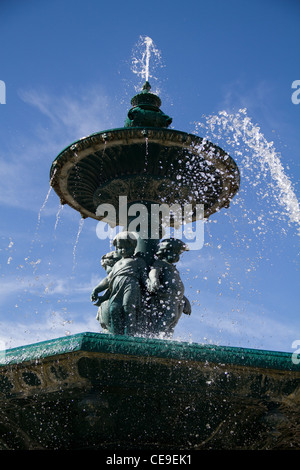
79	188
185	135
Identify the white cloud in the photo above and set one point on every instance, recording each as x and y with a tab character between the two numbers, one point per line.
72	115
44	285
60	120
51	326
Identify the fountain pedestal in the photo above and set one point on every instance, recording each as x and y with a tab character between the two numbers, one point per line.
118	393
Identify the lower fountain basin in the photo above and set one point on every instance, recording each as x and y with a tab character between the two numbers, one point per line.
117	393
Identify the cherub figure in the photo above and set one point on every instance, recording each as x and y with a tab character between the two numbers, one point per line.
168	300
107	262
124	282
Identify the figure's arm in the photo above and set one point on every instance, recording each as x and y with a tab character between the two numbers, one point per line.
103	285
103	297
187	309
153	280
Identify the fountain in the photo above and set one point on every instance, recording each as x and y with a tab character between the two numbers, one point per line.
132	387
146	166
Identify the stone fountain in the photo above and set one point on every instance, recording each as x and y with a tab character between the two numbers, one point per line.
133	388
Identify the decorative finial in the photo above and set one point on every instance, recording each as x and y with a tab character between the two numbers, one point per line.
146	86
145	111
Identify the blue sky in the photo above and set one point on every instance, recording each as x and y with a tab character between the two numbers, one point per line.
225	73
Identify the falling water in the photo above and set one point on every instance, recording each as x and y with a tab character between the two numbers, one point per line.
39	217
258	160
46	199
263	210
146	153
76	242
43	206
58	215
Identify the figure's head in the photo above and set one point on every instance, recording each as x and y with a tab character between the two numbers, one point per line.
125	243
170	249
109	260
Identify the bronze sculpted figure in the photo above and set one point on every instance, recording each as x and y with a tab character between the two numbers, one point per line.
107	262
168	301
124	282
141	299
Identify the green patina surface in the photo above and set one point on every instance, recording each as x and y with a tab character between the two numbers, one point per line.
108	392
140	347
